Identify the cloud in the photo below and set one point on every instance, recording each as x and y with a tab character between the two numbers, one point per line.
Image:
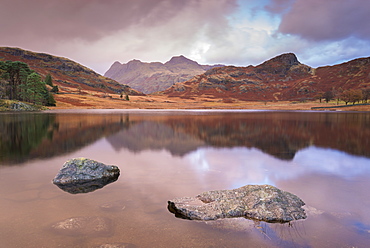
80	19
278	6
98	32
319	20
251	166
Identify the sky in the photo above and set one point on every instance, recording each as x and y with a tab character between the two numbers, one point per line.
96	33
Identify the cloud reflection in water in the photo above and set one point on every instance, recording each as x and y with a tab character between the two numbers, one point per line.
251	166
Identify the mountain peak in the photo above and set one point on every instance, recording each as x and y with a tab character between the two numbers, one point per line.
156	76
116	63
180	60
282	64
134	61
286	59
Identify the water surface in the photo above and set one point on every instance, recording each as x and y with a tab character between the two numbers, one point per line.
324	158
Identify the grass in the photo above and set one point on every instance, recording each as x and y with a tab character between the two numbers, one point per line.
86	99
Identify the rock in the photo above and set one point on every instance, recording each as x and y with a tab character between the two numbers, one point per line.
88	225
257	202
117	245
13	105
113	206
82	175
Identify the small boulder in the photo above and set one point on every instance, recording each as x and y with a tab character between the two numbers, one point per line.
82	175
258	202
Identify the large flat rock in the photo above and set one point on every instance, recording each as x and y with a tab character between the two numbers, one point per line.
258	202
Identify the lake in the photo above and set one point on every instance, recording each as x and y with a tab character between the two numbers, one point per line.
322	157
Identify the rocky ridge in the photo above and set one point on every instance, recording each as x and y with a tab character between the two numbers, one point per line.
155	76
280	78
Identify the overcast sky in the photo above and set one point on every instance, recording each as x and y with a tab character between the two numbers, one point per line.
97	33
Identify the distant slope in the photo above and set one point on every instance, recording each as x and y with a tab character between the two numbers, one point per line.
155	76
280	78
65	72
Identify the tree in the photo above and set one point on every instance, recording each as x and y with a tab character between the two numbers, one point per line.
356	96
15	73
319	95
55	89
336	94
328	95
50	101
352	96
49	80
19	82
365	94
33	90
346	96
3	84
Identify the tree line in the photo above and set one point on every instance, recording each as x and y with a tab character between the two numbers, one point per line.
19	82
347	96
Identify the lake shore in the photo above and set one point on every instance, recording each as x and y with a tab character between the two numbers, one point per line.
86	100
110	101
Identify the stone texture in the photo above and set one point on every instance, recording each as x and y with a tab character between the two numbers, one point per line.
258	202
82	175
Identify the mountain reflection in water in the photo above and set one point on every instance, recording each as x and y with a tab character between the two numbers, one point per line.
281	134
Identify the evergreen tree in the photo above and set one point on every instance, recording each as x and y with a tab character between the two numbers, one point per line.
15	73
49	80
33	90
50	100
19	82
55	89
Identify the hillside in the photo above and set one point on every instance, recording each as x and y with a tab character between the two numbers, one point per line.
67	74
155	76
282	78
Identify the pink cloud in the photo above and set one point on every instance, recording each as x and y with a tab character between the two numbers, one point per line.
327	20
78	19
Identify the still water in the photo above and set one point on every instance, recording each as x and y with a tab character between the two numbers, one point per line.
322	157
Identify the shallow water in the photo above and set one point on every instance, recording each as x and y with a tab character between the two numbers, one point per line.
324	158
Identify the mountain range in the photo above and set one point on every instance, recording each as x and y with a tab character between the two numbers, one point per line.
280	78
156	76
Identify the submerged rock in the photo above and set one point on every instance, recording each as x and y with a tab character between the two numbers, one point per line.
258	202
87	225
117	245
82	175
